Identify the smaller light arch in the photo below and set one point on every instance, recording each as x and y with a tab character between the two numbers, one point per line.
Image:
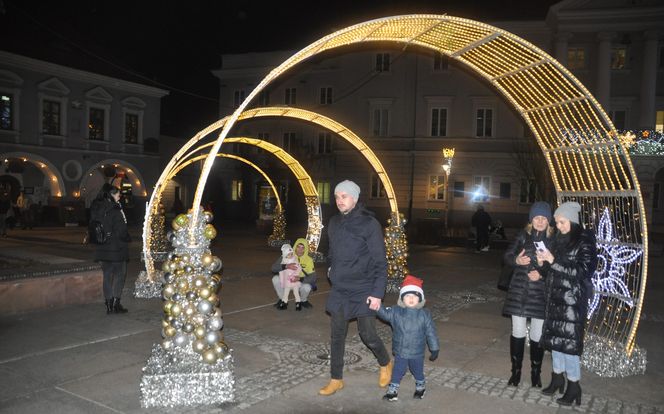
54	178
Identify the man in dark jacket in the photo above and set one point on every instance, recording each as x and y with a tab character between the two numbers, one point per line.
358	274
481	220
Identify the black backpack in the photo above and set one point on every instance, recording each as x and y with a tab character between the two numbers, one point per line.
96	232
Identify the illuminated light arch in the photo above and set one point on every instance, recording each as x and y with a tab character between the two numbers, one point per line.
133	175
314	226
55	181
586	159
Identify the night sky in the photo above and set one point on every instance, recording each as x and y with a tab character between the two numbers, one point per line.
175	44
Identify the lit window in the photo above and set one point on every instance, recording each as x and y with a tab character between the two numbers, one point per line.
481	189
576	58
236	190
290	96
380	122
377	189
96	120
484	122
6	111
528	193
325	96
382	62
50	117
324	143
659	121
131	129
437	187
618	57
323	188
438	122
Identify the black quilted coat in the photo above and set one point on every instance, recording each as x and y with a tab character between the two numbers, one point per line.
110	214
524	297
358	266
568	286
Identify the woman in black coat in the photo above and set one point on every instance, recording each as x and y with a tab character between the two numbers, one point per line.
568	271
526	297
113	254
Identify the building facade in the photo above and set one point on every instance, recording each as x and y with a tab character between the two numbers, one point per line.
409	104
64	132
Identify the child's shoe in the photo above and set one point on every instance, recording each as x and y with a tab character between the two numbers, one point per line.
419	394
298	306
391	396
282	306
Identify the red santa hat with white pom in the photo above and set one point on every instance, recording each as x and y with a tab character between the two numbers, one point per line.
413	285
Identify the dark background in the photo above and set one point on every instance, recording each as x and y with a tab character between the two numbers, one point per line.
174	44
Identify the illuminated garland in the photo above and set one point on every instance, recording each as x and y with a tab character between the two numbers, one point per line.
396	247
643	142
278	236
612	257
158	242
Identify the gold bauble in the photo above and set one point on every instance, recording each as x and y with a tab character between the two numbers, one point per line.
220	348
169	289
167	344
216	278
199	346
213	299
210	232
199	332
207	259
181	220
204	292
164	323
166	266
176	309
169	331
210	356
175	225
182	285
189	310
167	306
199	281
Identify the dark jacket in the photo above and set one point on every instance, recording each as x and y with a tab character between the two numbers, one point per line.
358	267
568	287
524	297
109	213
481	220
412	330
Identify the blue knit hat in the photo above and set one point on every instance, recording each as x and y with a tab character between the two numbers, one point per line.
540	208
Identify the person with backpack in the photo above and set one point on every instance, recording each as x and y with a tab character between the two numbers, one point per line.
113	252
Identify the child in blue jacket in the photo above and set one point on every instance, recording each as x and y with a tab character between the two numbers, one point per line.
412	329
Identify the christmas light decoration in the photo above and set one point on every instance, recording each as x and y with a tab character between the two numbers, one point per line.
643	142
612	257
396	247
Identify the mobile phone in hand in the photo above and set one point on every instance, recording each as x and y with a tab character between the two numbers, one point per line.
539	245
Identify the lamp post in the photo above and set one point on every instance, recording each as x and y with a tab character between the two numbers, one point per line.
448	154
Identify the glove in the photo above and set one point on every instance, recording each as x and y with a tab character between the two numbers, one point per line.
434	356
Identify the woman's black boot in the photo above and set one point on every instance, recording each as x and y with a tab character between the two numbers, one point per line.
572	394
557	384
109	306
516	356
117	307
536	356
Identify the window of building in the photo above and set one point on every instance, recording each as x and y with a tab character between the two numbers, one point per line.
440	62
6	111
382	62
324	143
505	190
377	189
325	95
381	118
659	121
290	96
131	128
484	122
528	191
289	141
438	122
323	188
96	124
459	189
237	191
265	136
576	58
437	186
618	57
264	98
51	117
235	148
619	118
238	97
481	188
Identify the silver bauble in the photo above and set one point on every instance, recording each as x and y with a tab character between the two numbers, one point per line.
215	323
212	337
204	307
180	339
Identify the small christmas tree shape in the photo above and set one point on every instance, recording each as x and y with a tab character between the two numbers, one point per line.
396	249
192	353
158	241
278	236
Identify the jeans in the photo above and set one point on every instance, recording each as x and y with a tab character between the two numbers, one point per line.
569	364
305	289
114	278
416	366
367	327
519	325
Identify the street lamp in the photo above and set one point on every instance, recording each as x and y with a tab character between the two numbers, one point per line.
448	154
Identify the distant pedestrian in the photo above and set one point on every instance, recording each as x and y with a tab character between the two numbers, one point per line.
358	274
481	220
526	298
114	254
568	271
412	330
24	204
5	207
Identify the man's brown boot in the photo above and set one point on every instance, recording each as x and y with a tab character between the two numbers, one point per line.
334	386
385	374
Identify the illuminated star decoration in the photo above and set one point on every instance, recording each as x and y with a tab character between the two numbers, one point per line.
609	277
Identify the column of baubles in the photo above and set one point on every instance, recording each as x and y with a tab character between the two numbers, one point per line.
191	305
396	247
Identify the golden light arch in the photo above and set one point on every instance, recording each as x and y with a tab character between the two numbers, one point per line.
50	171
587	161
